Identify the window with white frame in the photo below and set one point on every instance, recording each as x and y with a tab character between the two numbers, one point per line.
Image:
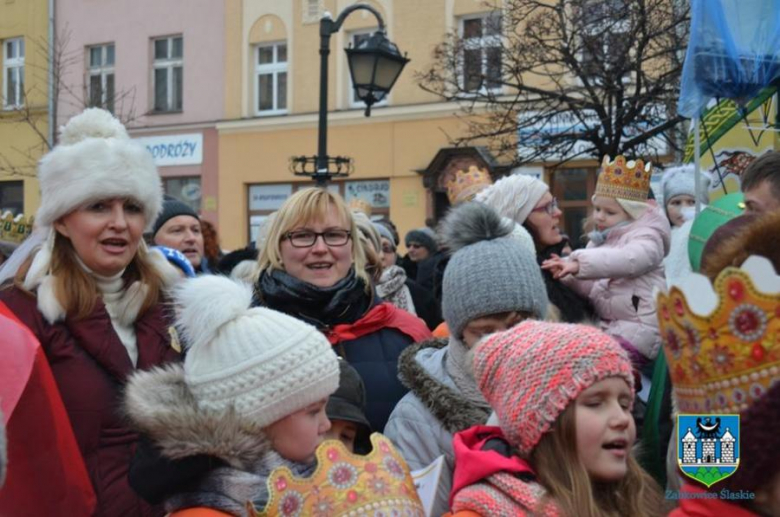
481	60
355	39
168	73
271	79
13	73
100	88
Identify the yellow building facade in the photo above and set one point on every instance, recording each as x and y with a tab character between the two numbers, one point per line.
24	130
391	149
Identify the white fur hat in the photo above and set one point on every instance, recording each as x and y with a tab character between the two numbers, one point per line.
96	159
264	364
680	180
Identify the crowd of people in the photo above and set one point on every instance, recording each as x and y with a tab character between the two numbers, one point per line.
154	374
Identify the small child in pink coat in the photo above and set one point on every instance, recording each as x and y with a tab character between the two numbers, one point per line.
621	267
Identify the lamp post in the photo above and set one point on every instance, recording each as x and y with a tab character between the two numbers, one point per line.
374	67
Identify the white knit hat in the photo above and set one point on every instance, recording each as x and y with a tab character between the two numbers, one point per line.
264	364
680	180
514	196
96	159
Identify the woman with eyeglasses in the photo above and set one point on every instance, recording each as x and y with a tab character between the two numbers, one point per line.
528	201
313	267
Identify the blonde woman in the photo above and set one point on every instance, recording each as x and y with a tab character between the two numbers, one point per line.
313	267
89	291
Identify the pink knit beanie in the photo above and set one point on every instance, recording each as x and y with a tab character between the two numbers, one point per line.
531	372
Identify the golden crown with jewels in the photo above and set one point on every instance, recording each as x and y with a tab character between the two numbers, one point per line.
14	229
722	340
624	179
467	184
346	484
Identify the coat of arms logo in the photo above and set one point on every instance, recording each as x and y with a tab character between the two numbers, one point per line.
708	446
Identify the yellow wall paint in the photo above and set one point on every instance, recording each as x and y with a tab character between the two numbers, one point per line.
267	28
233	61
28	19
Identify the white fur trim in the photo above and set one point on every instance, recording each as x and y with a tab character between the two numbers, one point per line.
48	304
96	160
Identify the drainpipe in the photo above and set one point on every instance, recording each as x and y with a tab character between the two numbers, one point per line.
52	104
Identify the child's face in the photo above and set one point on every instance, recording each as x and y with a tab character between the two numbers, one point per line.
605	428
343	431
675	208
607	212
478	328
296	436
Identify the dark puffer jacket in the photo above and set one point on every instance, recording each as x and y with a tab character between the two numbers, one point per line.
90	365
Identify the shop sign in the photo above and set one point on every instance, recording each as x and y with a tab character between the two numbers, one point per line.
268	197
174	149
375	192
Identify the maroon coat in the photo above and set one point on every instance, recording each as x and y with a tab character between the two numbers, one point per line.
91	365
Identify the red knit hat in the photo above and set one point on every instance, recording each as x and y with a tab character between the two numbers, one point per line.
530	373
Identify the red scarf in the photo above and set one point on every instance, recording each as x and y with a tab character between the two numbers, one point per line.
691	507
383	315
46	473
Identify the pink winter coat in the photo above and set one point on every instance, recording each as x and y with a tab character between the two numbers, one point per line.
620	276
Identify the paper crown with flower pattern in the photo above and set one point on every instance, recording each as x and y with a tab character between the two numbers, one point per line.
467	184
624	179
346	484
14	229
722	340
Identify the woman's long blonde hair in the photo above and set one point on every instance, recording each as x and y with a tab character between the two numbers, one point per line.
572	491
77	291
303	207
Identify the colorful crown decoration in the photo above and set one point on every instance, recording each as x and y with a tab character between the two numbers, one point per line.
361	205
467	184
723	346
624	180
15	229
346	484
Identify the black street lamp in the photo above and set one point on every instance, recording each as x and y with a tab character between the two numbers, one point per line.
374	67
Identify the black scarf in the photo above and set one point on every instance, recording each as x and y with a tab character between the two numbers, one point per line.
573	308
345	302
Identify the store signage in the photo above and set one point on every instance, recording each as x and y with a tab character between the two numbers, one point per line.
174	149
268	197
375	192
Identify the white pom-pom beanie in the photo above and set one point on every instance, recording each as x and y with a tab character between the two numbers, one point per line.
94	160
264	364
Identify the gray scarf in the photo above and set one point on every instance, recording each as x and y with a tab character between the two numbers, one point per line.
392	288
229	489
458	365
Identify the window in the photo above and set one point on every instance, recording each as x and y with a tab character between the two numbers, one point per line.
573	188
12	197
481	60
13	73
101	76
168	73
271	79
356	38
312	11
185	189
604	37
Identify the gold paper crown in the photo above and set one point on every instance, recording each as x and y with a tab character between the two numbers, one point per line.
466	184
14	229
361	205
624	180
723	346
346	484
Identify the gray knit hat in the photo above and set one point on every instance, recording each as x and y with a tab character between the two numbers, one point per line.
171	208
681	180
423	236
489	271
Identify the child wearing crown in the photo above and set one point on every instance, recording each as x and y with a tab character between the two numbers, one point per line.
622	264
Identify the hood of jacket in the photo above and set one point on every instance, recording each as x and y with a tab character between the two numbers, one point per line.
159	405
654	219
421	368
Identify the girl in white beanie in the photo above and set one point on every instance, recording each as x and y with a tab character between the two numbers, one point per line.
251	395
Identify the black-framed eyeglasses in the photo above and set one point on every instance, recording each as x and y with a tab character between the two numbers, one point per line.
307	238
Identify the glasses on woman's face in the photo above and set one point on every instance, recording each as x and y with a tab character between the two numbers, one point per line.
388	249
550	207
307	238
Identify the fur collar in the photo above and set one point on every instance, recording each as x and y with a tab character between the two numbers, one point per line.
159	404
40	279
454	412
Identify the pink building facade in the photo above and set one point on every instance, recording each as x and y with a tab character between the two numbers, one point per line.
159	66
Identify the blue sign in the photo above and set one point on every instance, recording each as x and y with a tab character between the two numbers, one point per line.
708	446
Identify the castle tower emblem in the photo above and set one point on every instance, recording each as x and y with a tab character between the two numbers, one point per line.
708	446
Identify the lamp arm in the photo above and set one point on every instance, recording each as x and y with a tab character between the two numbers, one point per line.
356	7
